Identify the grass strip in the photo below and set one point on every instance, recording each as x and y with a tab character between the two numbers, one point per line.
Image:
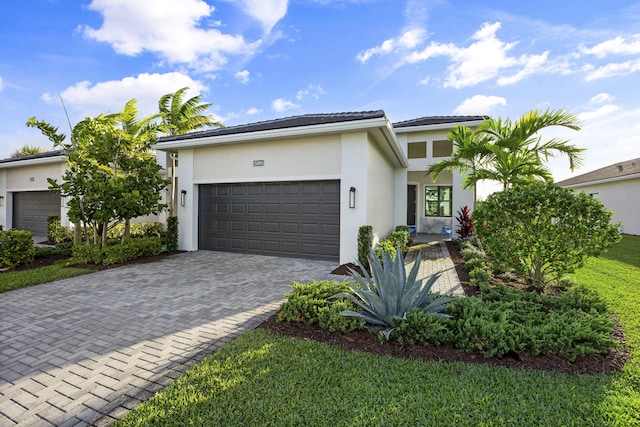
12	280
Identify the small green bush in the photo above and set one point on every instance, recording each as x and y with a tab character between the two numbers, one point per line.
365	244
402	228
474	263
469	252
16	247
58	233
117	253
330	317
47	251
172	234
479	276
143	229
306	299
424	329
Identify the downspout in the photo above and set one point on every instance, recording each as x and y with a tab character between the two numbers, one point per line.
173	156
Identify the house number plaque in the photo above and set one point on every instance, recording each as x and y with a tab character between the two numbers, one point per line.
258	163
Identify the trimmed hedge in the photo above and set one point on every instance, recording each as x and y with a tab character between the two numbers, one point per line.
116	253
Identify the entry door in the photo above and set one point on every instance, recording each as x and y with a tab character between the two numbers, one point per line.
411	204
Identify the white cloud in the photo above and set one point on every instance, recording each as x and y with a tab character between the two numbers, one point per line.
617	46
253	111
480	105
312	91
281	105
612	70
598	114
172	29
408	40
267	12
601	98
89	100
1	84
243	77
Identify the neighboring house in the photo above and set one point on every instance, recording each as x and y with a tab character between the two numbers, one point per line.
617	186
302	186
25	199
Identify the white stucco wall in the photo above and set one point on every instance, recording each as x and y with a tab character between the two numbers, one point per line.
380	192
622	197
300	158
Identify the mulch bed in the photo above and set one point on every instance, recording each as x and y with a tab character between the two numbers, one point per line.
368	342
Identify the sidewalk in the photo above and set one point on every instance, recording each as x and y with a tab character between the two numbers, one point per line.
435	258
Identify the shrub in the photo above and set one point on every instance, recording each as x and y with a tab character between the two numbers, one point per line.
389	294
397	240
423	329
16	247
365	244
305	299
471	252
474	263
172	234
330	317
402	228
479	276
465	223
47	251
117	253
57	233
542	230
143	229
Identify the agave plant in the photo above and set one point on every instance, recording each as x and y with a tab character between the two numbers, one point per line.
388	294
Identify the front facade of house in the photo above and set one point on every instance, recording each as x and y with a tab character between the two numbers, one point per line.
617	186
302	186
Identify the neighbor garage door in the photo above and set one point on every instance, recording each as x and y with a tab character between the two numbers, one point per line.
296	219
32	208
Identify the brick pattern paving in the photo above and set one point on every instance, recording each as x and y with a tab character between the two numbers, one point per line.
86	350
435	259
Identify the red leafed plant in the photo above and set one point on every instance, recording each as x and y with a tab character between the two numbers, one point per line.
465	223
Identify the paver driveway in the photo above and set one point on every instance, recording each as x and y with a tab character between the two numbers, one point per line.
85	350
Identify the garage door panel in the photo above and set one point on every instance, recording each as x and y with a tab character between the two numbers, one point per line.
31	209
297	219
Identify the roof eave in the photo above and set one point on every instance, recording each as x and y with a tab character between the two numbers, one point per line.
601	181
292	132
34	162
439	126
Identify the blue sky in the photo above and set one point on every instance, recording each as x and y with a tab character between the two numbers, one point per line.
263	59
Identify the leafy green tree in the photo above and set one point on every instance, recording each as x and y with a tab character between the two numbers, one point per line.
542	230
112	173
509	152
27	150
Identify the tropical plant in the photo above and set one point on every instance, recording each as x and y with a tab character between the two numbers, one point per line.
388	294
179	116
509	152
465	223
543	231
27	150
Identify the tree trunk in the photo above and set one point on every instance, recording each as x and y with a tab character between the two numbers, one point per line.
127	231
77	233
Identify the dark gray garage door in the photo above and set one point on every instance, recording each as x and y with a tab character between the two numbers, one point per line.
32	208
296	219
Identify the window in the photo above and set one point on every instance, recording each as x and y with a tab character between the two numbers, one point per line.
438	200
417	150
595	195
442	148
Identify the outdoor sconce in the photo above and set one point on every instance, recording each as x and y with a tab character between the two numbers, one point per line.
352	197
1	200
183	197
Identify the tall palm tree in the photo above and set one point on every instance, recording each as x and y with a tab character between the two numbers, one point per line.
509	152
179	117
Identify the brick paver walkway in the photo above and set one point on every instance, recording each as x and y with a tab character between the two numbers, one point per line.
86	350
435	258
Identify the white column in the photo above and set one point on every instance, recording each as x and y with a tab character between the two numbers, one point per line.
353	174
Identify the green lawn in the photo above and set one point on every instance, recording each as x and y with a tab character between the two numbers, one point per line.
21	279
264	379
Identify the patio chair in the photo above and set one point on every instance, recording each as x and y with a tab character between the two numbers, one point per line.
447	230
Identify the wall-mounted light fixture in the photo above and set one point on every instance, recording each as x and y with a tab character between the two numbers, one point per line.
183	197
1	200
352	197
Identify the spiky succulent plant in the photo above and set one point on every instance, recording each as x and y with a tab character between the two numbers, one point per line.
388	294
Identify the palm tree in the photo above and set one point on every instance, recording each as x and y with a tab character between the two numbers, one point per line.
27	150
509	152
179	117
